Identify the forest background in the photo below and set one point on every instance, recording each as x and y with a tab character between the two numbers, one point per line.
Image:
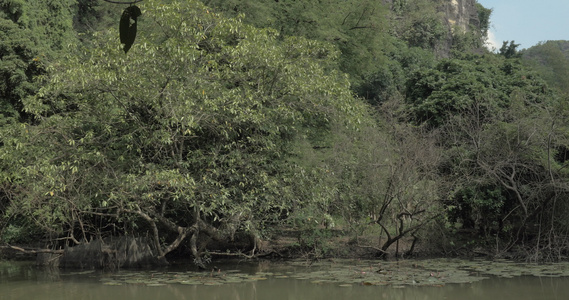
345	128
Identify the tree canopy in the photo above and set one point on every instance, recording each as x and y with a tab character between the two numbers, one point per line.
551	61
232	122
191	133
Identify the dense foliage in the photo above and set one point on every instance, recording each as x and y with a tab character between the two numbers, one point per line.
193	126
551	61
30	38
230	121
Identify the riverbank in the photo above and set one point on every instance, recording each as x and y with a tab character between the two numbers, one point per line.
285	244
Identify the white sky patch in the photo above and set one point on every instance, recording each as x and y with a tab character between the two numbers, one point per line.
492	43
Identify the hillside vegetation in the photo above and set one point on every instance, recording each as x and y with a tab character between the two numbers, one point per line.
230	125
551	60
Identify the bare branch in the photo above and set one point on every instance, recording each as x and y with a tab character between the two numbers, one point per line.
182	234
512	186
152	223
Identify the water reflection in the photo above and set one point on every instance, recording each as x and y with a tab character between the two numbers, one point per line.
23	281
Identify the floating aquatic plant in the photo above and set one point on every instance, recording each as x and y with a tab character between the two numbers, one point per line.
348	273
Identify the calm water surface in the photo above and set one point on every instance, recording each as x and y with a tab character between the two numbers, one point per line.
20	280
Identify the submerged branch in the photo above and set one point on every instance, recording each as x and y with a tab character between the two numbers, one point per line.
32	250
241	254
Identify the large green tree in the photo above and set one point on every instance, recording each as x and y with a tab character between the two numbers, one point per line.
186	138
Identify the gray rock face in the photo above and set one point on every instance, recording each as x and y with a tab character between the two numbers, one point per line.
461	14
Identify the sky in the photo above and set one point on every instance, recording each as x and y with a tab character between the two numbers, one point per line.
527	22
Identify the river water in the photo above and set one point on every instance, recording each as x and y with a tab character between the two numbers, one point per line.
252	281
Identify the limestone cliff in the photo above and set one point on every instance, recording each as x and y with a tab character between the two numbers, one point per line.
457	16
461	14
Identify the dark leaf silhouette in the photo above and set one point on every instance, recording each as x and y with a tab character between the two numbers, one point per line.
127	26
